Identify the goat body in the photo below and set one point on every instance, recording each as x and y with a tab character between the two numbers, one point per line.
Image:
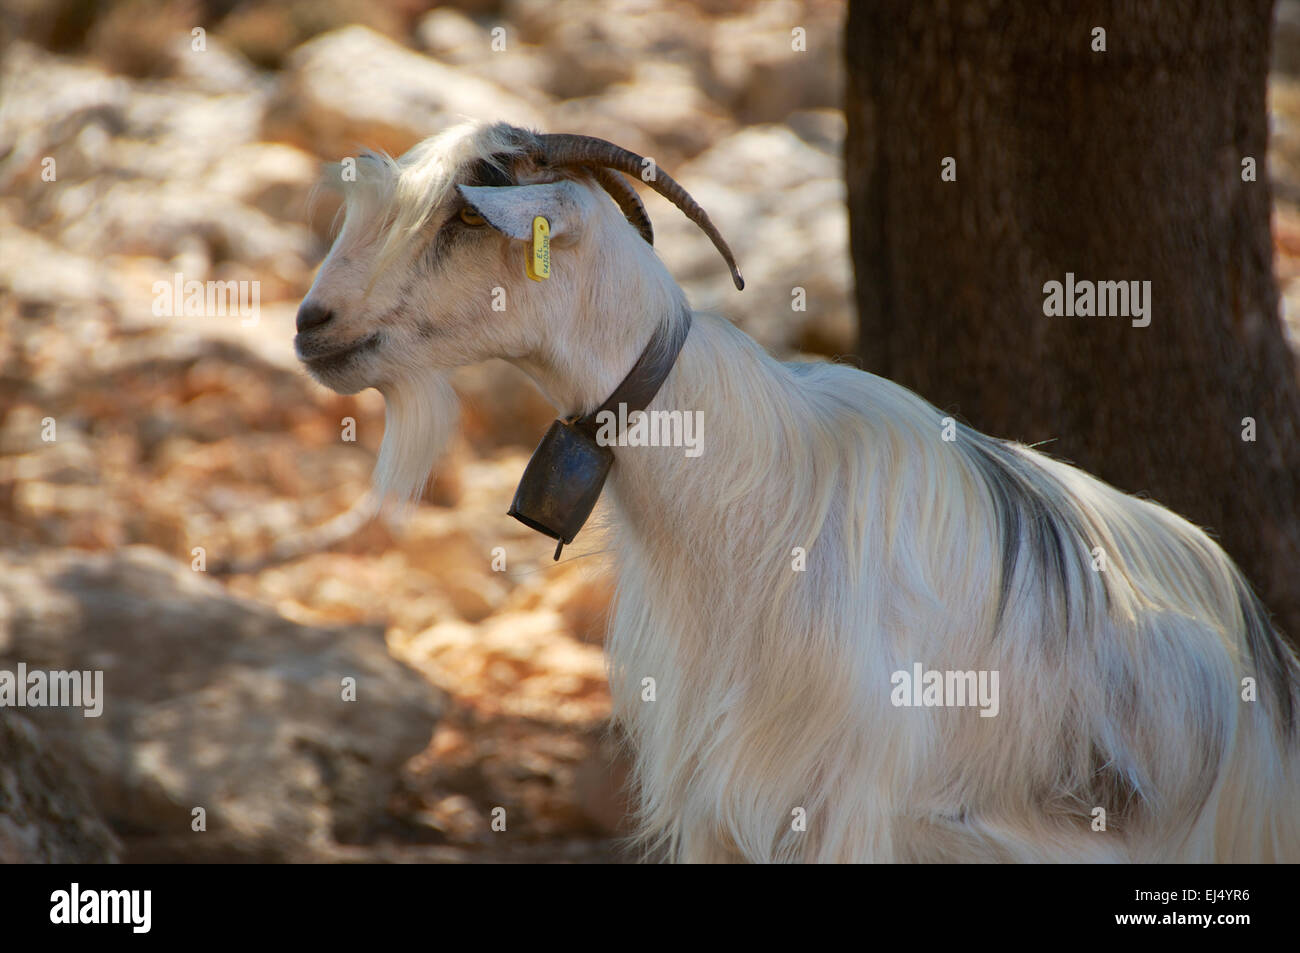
1120	687
835	530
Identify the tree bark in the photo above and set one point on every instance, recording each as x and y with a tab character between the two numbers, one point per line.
1122	165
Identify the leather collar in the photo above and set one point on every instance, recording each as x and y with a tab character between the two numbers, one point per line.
645	378
565	475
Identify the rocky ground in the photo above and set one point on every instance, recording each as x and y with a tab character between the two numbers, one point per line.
188	443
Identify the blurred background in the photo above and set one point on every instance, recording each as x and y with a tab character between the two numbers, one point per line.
187	525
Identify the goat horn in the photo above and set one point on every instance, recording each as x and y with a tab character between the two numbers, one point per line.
565	149
623	193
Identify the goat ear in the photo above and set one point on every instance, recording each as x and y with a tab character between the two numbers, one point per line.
510	209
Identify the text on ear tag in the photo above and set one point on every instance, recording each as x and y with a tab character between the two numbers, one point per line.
539	261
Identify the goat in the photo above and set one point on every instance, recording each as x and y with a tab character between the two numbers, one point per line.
831	539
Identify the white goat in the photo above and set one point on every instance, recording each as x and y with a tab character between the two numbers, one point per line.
781	727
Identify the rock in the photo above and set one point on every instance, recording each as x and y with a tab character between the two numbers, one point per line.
38	272
353	86
144	169
581	594
156	219
137	38
45	815
216	68
267	33
453	38
501	407
662	102
823	128
581	43
779	202
763	75
45	101
213	702
270	176
1286	38
596	52
522	663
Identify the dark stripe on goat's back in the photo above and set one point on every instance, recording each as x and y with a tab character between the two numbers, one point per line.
1275	666
1035	515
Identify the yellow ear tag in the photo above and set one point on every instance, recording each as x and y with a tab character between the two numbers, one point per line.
539	262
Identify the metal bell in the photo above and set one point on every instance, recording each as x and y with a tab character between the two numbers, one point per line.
561	483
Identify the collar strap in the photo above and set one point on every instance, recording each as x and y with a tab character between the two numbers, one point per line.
645	378
564	478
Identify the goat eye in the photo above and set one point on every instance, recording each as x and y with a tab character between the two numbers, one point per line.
471	217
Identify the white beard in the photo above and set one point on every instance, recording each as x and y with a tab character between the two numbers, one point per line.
420	416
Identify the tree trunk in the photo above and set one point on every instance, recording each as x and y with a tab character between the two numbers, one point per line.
1122	165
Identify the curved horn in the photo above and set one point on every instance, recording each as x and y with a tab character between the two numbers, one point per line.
623	193
565	149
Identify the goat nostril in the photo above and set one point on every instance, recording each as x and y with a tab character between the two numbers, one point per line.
313	316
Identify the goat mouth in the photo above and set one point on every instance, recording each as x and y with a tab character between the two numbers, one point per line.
333	360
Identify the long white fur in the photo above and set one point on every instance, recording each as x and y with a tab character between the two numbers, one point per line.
1120	690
